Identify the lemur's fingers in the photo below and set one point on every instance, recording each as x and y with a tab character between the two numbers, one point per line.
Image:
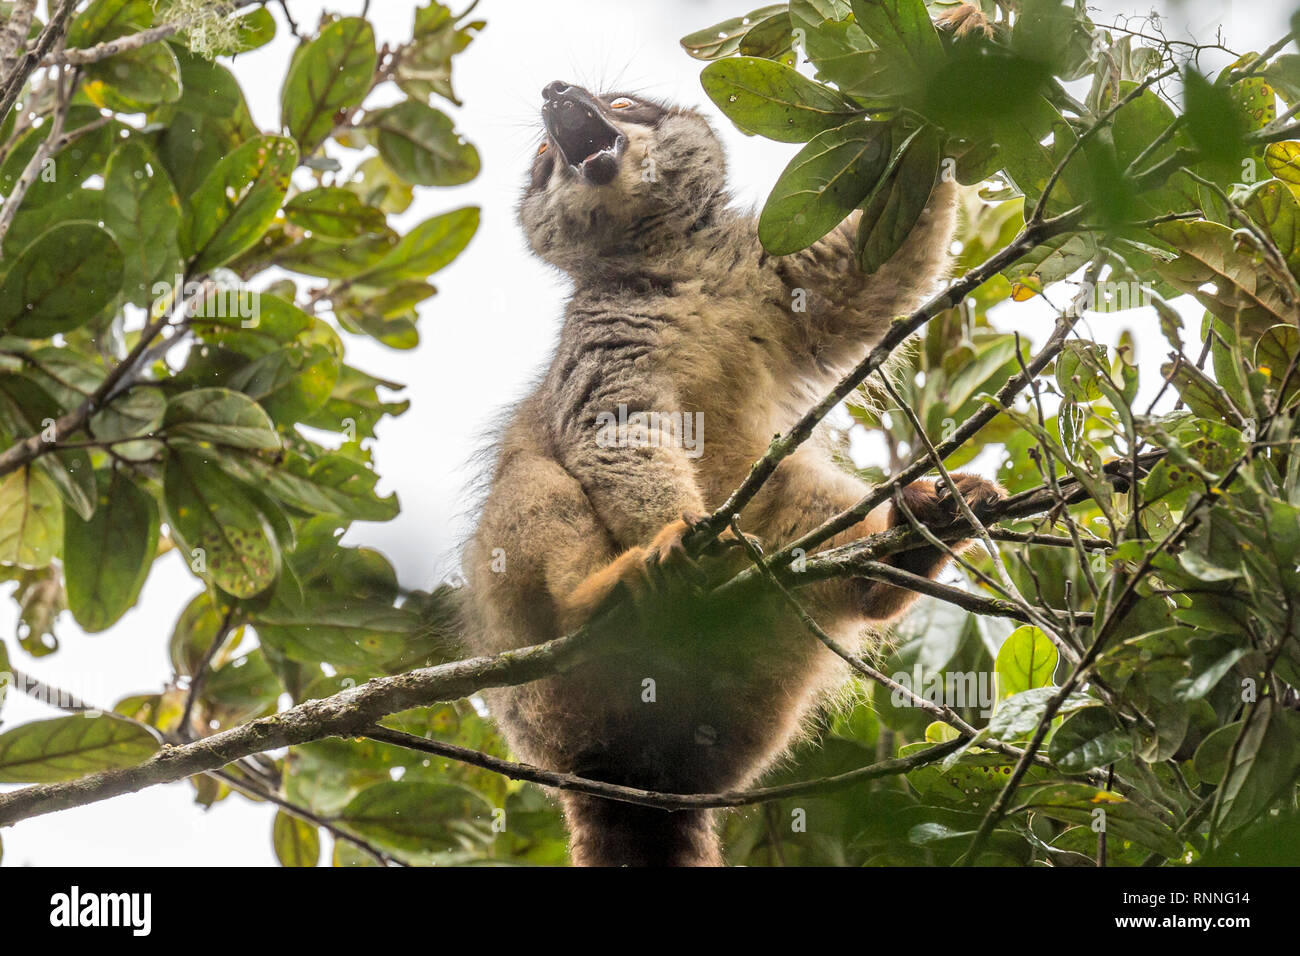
669	559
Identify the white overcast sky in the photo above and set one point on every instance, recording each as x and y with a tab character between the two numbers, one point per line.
483	338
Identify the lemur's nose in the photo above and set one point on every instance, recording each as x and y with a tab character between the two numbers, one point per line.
555	89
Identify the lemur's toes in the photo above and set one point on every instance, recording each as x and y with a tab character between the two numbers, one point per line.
981	494
729	540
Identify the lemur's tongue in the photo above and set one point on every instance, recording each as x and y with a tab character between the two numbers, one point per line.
587	140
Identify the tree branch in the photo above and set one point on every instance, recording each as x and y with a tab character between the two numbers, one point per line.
346	714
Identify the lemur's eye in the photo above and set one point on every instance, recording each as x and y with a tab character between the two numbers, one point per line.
543	148
620	103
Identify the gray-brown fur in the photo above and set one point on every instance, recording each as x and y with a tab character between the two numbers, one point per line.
677	308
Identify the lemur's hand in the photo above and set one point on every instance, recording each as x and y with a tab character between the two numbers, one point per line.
646	574
723	557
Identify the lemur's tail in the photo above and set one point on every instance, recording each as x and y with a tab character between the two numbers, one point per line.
613	833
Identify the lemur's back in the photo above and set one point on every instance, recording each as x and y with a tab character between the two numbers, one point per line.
684	348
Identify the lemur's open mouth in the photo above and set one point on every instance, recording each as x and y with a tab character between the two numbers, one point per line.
590	144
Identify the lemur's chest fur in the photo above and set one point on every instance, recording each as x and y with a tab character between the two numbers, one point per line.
710	337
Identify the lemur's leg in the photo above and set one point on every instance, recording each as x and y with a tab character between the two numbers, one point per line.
807	488
845	310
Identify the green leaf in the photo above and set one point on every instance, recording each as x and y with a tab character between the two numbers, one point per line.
65	748
893	209
242	689
1274	353
134	81
31	519
355	404
106	559
351	634
290	383
421	145
107	20
1087	740
1214	121
296	842
904	33
196	628
213	516
143	214
237	201
1283	161
424	69
333	484
332	73
378	186
60	281
27	409
1265	767
207	123
221	417
1018	714
1211	760
388	317
419	817
723	39
774	100
1077	803
822	185
334	213
1274	207
1027	659
839	50
248	32
270	324
424	250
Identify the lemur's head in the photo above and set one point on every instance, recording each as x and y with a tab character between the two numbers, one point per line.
616	175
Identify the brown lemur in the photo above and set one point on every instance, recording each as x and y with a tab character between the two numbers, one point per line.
678	320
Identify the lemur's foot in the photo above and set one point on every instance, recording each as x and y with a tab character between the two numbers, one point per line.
964	20
932	504
981	495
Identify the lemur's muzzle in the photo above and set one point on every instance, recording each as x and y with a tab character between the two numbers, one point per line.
575	122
